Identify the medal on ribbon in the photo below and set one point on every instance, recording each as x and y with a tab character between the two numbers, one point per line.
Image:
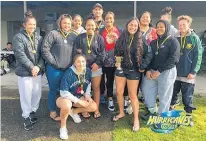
32	43
89	42
157	51
81	78
33	51
65	36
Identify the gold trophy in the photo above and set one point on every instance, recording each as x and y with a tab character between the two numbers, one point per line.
118	60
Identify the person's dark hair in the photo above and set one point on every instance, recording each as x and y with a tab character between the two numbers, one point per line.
110	12
204	32
167	11
77	15
89	19
63	16
28	15
124	41
91	16
77	56
150	24
9	43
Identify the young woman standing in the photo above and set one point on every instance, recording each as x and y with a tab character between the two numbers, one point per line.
29	68
167	16
161	73
110	33
135	59
92	46
77	25
149	34
58	52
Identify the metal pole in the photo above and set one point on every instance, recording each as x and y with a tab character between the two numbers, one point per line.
25	6
135	9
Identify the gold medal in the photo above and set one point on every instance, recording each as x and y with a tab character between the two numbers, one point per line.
89	43
31	39
89	51
33	51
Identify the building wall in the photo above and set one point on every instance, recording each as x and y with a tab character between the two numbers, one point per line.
4	36
123	11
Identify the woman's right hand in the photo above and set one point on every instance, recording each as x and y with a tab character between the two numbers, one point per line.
35	71
83	103
149	74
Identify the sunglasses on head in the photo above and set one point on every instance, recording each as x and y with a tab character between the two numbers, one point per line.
67	15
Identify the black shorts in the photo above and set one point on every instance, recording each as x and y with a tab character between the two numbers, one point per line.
129	74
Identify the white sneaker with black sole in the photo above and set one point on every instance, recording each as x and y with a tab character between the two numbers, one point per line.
75	117
63	133
111	105
27	124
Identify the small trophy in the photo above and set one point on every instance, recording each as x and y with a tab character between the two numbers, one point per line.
118	60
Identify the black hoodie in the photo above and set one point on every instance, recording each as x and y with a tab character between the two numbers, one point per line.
97	54
122	49
168	53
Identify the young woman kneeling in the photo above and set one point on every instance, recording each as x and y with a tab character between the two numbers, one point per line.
75	94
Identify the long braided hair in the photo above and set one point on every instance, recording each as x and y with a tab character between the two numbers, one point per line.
124	41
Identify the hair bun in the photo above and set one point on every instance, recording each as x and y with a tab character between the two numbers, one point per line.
28	13
167	10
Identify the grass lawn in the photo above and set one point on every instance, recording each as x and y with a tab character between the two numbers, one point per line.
122	130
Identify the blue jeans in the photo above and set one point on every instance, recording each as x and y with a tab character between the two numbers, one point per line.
54	77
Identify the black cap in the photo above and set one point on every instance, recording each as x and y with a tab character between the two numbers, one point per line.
98	5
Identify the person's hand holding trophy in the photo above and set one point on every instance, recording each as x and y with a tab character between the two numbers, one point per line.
118	62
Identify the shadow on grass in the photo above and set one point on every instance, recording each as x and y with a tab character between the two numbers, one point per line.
46	129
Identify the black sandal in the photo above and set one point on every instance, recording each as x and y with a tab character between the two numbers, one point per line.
55	118
98	115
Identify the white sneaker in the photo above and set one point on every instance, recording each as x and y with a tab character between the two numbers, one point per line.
63	133
75	117
7	70
111	105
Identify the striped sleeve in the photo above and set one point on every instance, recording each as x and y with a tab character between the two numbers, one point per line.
198	57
